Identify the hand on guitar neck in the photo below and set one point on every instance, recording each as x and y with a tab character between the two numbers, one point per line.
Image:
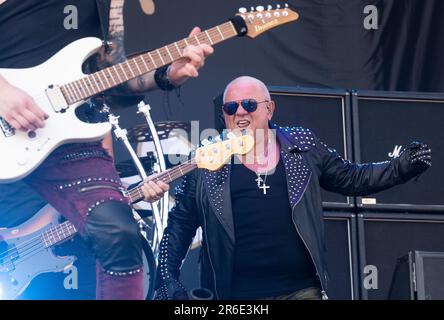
193	58
153	191
19	108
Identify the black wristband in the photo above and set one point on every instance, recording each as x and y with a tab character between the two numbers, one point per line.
162	81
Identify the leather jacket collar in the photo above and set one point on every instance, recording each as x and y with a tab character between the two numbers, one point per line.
293	142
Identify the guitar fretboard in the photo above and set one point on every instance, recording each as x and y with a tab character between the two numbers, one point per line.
167	176
110	77
58	234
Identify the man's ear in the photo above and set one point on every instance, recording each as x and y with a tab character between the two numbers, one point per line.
270	109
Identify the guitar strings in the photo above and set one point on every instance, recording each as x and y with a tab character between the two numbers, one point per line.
224	31
24	251
38	238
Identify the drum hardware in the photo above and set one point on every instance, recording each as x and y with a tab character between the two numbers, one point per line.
127	168
121	134
164	129
160	213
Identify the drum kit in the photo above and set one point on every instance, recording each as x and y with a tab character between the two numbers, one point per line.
150	154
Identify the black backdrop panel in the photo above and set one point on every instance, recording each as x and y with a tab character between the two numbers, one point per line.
384	238
327	113
384	120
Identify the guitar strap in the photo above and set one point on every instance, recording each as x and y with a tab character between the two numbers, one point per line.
103	7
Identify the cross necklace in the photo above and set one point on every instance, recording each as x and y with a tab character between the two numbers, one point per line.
261	183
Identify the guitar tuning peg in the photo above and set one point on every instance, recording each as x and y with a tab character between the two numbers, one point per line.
286	5
269	7
242	10
278	6
205	142
260	8
231	135
217	139
252	9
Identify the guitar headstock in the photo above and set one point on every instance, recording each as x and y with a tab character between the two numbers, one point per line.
261	19
215	155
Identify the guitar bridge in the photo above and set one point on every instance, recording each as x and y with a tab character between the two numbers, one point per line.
6	128
56	98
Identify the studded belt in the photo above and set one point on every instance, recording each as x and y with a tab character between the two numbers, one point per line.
86	154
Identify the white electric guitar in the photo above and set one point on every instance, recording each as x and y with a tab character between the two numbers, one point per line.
59	86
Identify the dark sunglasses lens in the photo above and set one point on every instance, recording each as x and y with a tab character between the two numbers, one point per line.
230	107
249	105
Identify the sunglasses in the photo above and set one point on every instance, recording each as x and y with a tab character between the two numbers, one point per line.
250	105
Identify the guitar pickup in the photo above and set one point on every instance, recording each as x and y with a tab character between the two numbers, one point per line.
6	128
56	98
8	254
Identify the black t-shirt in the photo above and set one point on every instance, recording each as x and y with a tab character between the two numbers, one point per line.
31	31
270	257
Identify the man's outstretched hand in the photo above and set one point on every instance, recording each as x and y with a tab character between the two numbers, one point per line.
415	159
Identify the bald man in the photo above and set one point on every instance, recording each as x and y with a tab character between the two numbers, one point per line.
261	214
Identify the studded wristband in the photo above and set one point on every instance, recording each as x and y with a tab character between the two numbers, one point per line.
161	78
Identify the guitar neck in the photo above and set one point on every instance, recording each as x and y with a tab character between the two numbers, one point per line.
110	77
136	194
67	230
58	234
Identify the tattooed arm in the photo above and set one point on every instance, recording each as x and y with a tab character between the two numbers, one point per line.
178	72
115	53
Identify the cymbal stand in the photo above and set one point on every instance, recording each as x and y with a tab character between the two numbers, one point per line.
122	135
159	166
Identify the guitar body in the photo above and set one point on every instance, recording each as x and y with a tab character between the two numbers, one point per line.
23	152
23	255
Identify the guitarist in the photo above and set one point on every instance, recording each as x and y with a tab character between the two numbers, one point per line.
80	180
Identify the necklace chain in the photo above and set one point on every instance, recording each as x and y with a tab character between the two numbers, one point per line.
261	183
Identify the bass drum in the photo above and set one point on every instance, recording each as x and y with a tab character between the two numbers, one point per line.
78	282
